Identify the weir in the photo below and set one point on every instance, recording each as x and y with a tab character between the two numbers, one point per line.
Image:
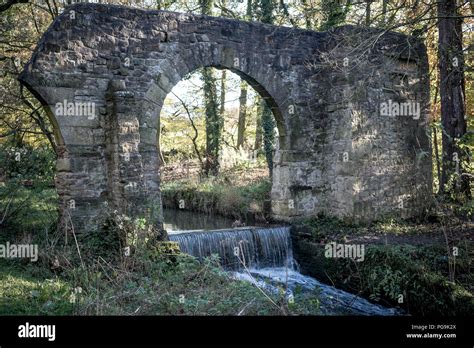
252	247
264	257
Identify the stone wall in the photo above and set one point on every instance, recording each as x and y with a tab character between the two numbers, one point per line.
336	154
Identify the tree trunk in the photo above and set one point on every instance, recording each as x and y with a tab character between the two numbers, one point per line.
242	114
268	125
258	126
367	12
306	14
249	10
384	11
266	119
266	11
451	72
222	96
213	124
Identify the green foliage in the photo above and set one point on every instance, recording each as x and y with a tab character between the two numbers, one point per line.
36	165
176	138
24	293
206	6
25	209
101	243
391	271
27	203
334	13
264	11
467	209
152	281
323	224
418	273
186	288
156	280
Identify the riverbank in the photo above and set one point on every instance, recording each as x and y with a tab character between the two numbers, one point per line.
405	264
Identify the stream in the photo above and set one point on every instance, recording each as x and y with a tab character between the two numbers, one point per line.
260	255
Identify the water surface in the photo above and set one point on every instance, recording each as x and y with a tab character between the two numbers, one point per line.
264	257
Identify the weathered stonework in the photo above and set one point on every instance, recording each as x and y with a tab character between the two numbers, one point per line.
337	154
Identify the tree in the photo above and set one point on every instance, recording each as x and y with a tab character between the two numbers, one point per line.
452	91
268	126
258	125
223	85
23	120
264	11
213	121
243	94
265	15
242	114
334	13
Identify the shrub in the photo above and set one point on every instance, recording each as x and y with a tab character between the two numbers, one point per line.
28	165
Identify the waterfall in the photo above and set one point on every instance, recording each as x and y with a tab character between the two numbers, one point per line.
252	247
267	256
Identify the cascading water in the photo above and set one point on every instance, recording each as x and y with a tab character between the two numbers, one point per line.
241	247
264	257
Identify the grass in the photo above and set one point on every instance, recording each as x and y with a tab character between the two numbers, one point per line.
182	287
25	209
28	290
146	283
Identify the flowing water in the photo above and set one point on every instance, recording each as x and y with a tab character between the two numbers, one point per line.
240	247
333	301
264	257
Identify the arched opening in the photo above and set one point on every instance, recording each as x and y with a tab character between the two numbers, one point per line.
205	185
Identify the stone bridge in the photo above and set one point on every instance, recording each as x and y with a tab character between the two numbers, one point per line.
351	107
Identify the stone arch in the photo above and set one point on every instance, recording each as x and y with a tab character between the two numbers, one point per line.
125	61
